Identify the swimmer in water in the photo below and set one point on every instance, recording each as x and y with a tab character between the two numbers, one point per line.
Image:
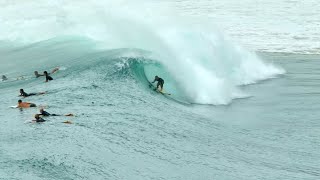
45	113
24	94
25	104
4	78
36	73
48	78
38	118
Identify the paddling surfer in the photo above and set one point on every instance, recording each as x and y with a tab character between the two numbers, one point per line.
25	104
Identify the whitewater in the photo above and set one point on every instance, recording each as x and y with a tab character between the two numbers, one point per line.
242	77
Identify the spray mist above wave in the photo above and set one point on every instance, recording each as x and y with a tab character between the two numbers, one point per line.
207	67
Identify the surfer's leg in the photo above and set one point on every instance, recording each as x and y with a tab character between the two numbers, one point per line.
158	86
161	86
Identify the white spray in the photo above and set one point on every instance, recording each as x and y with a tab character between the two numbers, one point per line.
207	67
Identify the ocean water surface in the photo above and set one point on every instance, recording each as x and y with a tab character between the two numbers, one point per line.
244	83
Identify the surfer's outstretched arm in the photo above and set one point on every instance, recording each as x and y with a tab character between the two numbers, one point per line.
156	78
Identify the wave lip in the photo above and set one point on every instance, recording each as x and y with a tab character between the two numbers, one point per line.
202	84
209	68
201	62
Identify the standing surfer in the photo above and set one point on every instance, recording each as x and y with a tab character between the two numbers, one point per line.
160	83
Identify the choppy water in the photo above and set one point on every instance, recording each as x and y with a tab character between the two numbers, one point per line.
265	25
233	114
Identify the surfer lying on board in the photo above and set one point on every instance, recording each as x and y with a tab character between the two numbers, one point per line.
45	113
25	104
24	94
160	83
38	118
36	73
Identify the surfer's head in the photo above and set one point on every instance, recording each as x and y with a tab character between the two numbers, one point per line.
21	90
45	72
36	116
41	110
20	101
156	77
37	74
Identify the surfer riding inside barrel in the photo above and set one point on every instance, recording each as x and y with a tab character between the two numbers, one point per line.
160	83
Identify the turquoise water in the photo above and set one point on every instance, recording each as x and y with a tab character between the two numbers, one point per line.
124	130
232	113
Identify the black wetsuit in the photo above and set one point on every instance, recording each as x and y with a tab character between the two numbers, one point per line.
160	82
45	113
40	120
48	78
24	94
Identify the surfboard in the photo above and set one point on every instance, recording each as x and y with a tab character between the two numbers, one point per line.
157	90
67	122
164	93
167	95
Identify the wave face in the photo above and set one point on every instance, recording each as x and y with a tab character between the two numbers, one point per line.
194	58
